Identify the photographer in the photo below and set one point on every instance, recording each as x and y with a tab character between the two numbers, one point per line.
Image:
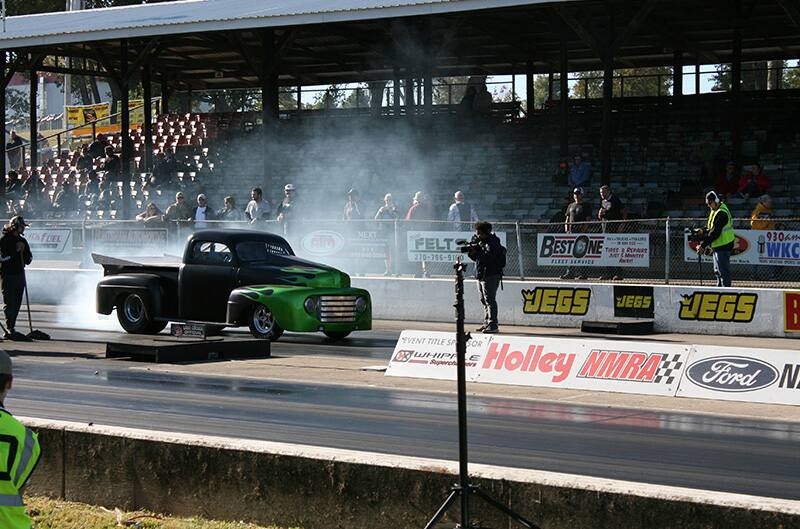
490	259
717	238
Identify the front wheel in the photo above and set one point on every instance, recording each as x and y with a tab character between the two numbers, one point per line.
263	324
132	315
336	335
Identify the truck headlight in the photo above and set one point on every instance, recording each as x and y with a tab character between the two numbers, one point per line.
310	304
361	303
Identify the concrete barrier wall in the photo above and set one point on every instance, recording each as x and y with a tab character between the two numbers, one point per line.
312	487
765	312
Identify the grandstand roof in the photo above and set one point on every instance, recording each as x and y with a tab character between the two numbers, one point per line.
189	16
208	44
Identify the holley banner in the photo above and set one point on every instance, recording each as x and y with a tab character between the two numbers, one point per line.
593	249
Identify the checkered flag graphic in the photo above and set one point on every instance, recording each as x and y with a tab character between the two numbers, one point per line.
667	370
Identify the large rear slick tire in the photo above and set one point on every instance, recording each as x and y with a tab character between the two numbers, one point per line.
263	324
335	336
133	315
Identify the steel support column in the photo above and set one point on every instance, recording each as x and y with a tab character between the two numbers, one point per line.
427	88
34	124
736	89
3	121
396	91
608	127
408	91
529	90
677	75
147	126
563	132
270	105
165	92
125	129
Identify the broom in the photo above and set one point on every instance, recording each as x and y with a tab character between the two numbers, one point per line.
35	334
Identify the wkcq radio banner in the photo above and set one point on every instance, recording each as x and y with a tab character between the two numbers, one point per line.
757	247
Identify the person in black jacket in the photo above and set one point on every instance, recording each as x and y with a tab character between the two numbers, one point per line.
15	254
489	256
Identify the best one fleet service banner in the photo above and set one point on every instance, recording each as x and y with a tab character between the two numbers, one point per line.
757	247
593	249
649	368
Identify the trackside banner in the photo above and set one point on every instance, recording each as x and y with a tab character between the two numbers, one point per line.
593	249
440	246
597	365
757	247
745	375
49	240
428	354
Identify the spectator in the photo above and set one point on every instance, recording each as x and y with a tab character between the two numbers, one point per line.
257	208
461	213
33	185
112	165
727	183
14	185
611	208
762	217
67	199
151	216
85	162
419	210
229	212
352	208
580	172
577	212
387	214
91	187
202	213
14	150
162	173
287	209
105	198
97	149
755	182
178	211
483	100
467	104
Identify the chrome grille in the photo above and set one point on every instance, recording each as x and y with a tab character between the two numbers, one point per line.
337	309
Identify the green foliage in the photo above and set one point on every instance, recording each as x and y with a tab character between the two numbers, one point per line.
540	90
638	82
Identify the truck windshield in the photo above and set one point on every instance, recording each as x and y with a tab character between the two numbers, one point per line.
260	250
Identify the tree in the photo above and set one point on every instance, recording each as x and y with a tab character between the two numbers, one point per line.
635	82
449	90
541	87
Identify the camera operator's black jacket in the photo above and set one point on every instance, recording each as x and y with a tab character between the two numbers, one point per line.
720	220
18	260
488	256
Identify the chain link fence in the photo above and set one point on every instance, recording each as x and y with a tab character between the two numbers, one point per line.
647	250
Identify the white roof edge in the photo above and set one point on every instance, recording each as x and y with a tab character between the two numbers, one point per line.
273	21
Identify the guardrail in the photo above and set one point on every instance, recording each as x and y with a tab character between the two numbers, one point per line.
652	250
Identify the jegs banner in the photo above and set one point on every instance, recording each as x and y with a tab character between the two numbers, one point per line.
440	246
593	249
757	247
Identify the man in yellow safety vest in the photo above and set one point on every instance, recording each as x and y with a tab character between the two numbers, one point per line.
719	238
19	454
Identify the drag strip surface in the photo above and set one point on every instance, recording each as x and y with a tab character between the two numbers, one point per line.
723	454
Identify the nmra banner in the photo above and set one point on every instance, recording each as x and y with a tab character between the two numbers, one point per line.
49	240
440	246
598	365
593	249
757	247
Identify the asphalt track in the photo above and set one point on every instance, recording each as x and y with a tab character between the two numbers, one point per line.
713	453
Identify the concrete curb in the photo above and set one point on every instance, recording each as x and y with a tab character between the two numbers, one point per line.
313	487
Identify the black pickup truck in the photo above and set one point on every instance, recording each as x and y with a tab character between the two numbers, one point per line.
234	278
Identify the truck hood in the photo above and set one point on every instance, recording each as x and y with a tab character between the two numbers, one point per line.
286	270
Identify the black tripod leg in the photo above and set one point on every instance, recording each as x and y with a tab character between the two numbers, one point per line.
502	508
443	509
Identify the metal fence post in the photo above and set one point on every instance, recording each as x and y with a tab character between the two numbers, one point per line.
666	253
396	260
519	252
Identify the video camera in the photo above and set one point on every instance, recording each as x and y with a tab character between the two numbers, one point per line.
696	234
465	246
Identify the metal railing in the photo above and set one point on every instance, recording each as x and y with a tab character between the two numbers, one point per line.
656	249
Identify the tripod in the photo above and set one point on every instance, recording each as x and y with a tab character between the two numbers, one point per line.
464	489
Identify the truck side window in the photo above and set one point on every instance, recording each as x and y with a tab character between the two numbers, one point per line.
210	253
